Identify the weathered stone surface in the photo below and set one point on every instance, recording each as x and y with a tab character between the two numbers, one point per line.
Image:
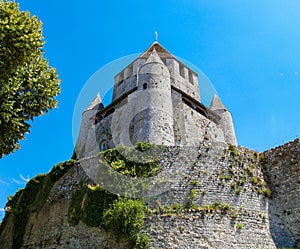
201	169
156	99
49	227
248	219
211	231
282	166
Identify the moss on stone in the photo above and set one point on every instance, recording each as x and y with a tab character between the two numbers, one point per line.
241	169
126	161
97	207
31	199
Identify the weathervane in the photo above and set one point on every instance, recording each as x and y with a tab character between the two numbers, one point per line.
156	35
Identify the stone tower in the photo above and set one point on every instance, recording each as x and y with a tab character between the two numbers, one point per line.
156	98
153	121
225	123
87	131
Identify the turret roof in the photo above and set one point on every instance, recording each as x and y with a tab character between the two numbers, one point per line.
216	104
154	57
94	105
161	51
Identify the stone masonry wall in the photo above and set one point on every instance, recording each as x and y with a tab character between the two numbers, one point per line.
211	231
219	176
49	226
282	166
216	197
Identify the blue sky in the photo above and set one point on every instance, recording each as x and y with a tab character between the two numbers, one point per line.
249	50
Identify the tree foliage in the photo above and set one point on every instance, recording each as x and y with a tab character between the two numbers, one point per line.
28	85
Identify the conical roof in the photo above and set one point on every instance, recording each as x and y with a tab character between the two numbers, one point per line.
216	104
160	50
154	57
95	104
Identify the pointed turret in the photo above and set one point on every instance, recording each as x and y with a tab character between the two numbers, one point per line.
216	104
225	123
96	104
87	129
154	57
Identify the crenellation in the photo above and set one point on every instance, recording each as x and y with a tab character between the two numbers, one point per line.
128	71
151	114
183	71
137	64
157	99
215	194
173	66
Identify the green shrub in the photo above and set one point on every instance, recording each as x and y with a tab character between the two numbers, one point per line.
143	146
88	204
234	215
98	208
126	161
266	192
225	206
237	191
97	201
126	217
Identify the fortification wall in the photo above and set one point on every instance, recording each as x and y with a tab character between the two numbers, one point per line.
216	197
49	226
282	167
124	85
131	123
212	231
224	192
191	127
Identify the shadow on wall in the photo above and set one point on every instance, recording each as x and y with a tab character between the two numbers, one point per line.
281	165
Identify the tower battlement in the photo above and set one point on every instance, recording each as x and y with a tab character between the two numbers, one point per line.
181	75
156	99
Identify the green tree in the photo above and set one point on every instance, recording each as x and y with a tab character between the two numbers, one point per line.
28	85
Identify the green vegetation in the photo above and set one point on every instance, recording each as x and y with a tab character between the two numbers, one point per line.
31	199
28	85
181	210
193	194
98	208
91	204
126	161
141	161
239	226
242	170
126	217
143	146
75	207
194	182
233	150
88	204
